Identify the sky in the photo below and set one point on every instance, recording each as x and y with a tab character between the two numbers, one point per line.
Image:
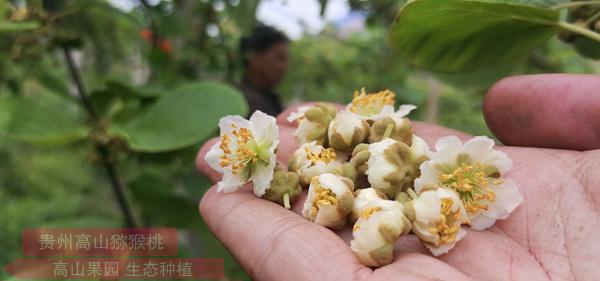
294	17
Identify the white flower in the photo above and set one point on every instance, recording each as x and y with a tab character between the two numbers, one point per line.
380	223
347	131
393	166
245	152
438	216
329	200
312	160
377	106
365	197
313	122
473	170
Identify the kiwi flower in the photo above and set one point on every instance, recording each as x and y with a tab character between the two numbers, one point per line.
346	131
380	223
329	201
245	152
474	171
393	165
312	160
313	122
437	218
376	106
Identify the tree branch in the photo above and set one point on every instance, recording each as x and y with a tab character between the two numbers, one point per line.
102	148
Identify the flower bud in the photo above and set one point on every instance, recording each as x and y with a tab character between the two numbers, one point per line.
380	223
438	216
364	197
311	160
330	200
399	130
313	122
346	131
393	165
284	188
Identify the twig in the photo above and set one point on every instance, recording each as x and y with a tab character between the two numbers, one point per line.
102	148
579	30
574	4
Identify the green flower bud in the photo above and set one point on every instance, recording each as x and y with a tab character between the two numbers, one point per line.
347	131
400	130
393	165
313	122
284	188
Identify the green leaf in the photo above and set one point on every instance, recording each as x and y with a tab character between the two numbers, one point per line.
161	205
17	26
458	35
182	118
587	47
41	124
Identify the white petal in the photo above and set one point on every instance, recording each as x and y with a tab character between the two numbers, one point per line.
213	157
265	128
304	128
345	124
447	149
225	124
386	111
444	248
230	183
378	166
262	177
420	147
404	110
334	183
299	113
429	176
427	207
507	200
481	149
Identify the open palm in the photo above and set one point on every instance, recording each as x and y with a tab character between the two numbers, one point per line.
554	234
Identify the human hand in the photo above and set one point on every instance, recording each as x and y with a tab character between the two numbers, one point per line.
554	234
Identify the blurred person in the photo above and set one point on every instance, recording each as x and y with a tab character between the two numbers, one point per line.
265	57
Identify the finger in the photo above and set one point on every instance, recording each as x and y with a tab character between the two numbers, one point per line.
414	266
272	243
549	110
282	117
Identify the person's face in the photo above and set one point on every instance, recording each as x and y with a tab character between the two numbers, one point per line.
272	63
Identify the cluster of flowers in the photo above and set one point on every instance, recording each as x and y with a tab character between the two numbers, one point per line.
364	165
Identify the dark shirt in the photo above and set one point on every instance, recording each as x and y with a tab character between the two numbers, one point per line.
265	101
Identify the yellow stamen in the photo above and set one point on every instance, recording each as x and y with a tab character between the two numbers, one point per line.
368	212
449	222
323	196
472	185
372	103
243	154
326	155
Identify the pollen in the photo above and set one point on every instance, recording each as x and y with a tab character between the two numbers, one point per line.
372	103
368	212
471	183
449	222
323	196
244	152
326	155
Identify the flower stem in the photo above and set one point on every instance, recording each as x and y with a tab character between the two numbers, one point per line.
411	193
579	30
286	201
574	4
388	130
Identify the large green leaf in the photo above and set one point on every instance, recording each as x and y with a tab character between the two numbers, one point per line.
458	35
42	124
181	118
161	205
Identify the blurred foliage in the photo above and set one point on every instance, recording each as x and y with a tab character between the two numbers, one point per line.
154	78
